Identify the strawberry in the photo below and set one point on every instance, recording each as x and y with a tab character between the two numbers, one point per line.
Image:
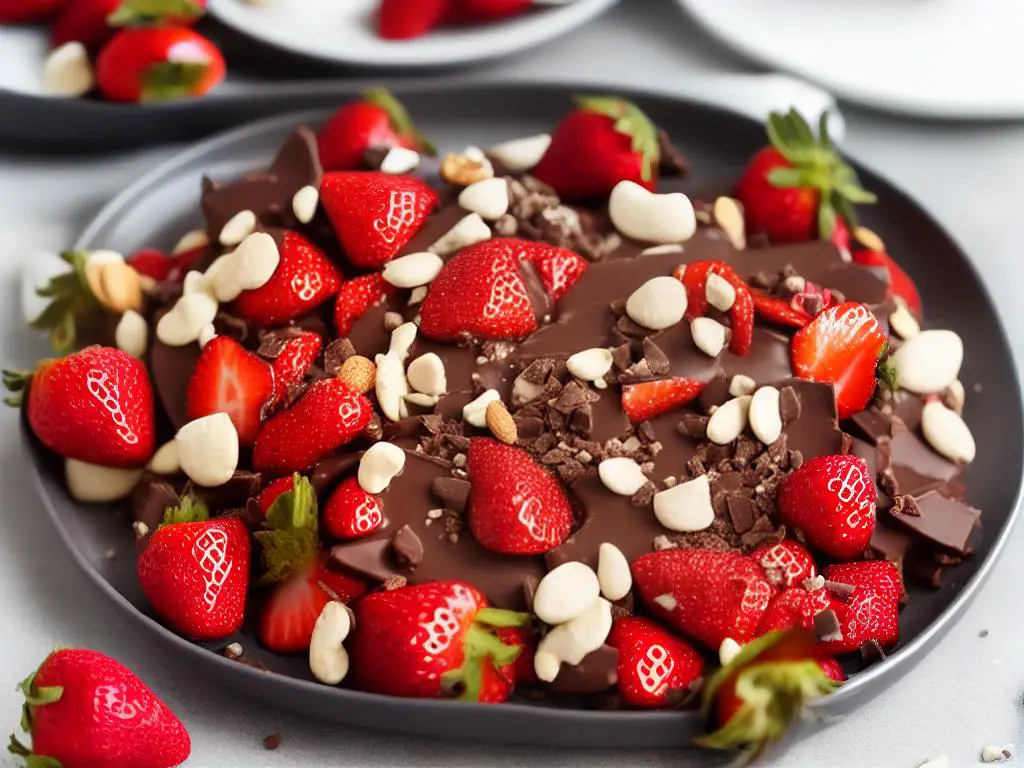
195	571
793	607
327	417
432	640
295	564
95	406
866	614
705	594
694	277
522	671
559	268
841	346
152	263
356	296
304	279
477	11
648	399
93	22
22	11
755	699
72	307
515	506
374	214
86	710
772	309
796	189
833	670
831	501
228	378
900	283
139	65
184	261
786	564
269	493
879	576
652	662
376	119
295	360
351	512
479	293
406	19
604	141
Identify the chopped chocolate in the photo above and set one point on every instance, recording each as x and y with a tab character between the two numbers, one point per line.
846	444
336	353
789	405
741	512
905	506
871	652
714	393
530	584
889	543
597	671
873	425
657	361
451	492
946	523
582	420
672	162
827	626
408	547
693	425
538	371
272	343
374	156
242	486
645	496
151	499
229	325
887	483
622	358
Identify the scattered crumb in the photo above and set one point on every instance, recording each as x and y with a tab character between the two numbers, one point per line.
273	741
983	633
109	555
233	651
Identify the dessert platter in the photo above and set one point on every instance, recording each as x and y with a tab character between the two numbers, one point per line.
543	419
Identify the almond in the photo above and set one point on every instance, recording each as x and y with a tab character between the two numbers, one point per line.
467	168
500	422
359	373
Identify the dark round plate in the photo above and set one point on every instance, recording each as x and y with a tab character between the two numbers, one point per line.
164	203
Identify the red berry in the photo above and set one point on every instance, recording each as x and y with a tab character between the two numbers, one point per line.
294	361
271	491
406	19
793	607
356	296
351	512
652	663
151	263
694	277
376	119
786	564
649	399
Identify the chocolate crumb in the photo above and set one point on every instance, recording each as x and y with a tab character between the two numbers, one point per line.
905	505
789	404
336	353
657	361
741	512
392	583
272	742
827	627
871	652
453	493
693	425
232	651
644	496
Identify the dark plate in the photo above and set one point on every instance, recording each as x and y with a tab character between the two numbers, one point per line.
161	205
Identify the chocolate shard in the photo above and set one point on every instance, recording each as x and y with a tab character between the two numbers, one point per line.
657	361
672	162
789	404
945	523
693	425
871	652
827	627
452	492
151	498
242	486
598	671
370	558
272	343
407	547
714	393
741	512
336	353
873	425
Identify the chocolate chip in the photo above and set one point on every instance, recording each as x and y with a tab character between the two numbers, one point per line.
597	671
337	352
151	499
905	506
846	444
630	329
407	547
570	471
796	460
369	557
622	357
871	652
695	467
789	404
573	396
538	371
827	627
451	492
714	393
273	741
639	371
741	512
374	156
582	420
693	425
946	523
228	325
242	486
672	162
657	360
272	343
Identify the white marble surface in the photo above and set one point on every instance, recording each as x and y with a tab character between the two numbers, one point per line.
966	694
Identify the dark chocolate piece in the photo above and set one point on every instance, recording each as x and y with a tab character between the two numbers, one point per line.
407	547
242	486
827	626
452	492
789	404
946	523
597	671
151	498
741	511
873	425
672	162
871	652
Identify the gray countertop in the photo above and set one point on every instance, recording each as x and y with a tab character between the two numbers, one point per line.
964	695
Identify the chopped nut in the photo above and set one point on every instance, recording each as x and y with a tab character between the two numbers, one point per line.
467	168
500	423
359	373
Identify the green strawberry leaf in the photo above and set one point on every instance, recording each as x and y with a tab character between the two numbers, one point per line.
291	540
42	761
499	617
17	383
401	123
632	122
172	80
15	747
887	373
190	509
72	303
480	647
134	13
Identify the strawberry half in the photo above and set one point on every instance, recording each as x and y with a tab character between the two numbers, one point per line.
772	309
652	663
356	296
230	379
559	268
351	512
433	640
195	571
374	214
649	399
841	346
786	564
694	277
295	359
793	607
831	501
304	279
515	505
879	576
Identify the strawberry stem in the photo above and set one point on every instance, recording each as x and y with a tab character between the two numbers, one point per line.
71	303
134	13
16	382
480	647
170	80
398	115
190	509
500	617
291	540
629	121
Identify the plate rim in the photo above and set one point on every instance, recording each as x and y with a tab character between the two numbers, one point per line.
897	665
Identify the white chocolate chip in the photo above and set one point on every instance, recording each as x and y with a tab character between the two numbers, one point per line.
421	400
426	374
255	260
67	71
709	335
417	295
475	412
719	293
391	386
657	250
381	463
520	155
471	229
947	433
728	651
305	202
657	304
489	198
929	362
524	391
765	416
208	450
207	334
565	593
742	385
729	420
903	322
729	216
621	475
166	460
328	659
685	507
195	282
237	228
402	339
955	397
590	364
413	270
197	238
613	572
132	333
399	160
667	601
649	217
186	319
569	643
93	484
997	754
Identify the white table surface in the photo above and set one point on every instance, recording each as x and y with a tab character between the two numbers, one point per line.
964	695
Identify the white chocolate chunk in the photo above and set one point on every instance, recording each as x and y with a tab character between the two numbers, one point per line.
685	507
475	412
399	160
728	651
196	238
719	293
186	319
947	433
471	229
380	464
621	475
328	659
903	322
569	643
729	420
412	270
426	374
929	362
68	72
305	203
165	461
237	228
590	364
765	416
565	593
709	335
208	449
93	484
391	386
613	572
132	333
649	217
657	304
489	198
742	385
520	155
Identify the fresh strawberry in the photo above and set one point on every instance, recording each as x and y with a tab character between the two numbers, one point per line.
351	512
73	309
795	189
479	293
652	663
831	501
374	214
406	19
522	671
604	141
478	11
230	379
772	309
705	594
327	417
515	506
841	346
295	360
865	615
22	11
755	699
93	22
793	607
878	576
195	571
294	562
95	406
376	119
900	283
356	296
694	277
304	279
648	399
269	493
86	710
833	670
152	263
559	268
432	640
139	65
786	564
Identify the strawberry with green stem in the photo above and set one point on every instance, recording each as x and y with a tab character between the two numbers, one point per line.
93	22
72	307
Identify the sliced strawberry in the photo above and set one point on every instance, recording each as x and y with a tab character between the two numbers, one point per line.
786	564
406	19
295	360
356	296
841	346
793	607
833	670
152	263
230	379
694	277
185	261
772	309
648	399
269	493
559	268
351	512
